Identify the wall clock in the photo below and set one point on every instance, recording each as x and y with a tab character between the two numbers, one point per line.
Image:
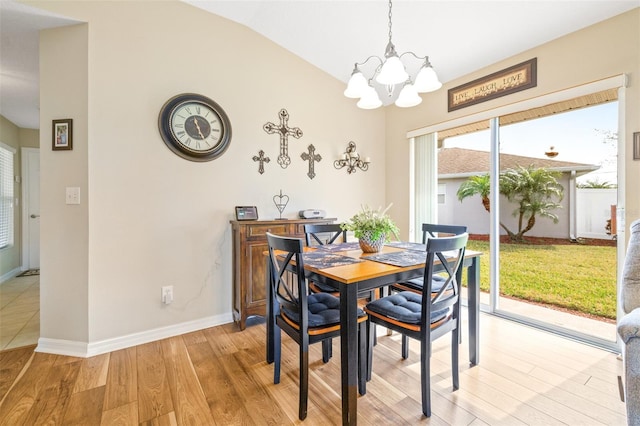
194	127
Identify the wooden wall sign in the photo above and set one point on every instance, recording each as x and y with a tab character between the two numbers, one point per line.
510	80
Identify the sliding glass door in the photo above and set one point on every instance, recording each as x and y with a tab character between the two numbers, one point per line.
547	224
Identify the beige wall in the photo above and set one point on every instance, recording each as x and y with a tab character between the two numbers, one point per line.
603	50
149	218
64	236
29	138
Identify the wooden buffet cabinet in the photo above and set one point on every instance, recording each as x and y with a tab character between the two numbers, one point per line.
249	261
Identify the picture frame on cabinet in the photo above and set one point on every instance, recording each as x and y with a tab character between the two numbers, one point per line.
246	213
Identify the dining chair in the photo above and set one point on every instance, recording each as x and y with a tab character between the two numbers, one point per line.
320	235
324	233
429	230
306	317
426	316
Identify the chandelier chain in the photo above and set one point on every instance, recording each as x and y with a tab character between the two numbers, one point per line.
389	21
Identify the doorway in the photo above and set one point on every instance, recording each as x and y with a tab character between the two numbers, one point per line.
609	91
550	269
31	208
20	325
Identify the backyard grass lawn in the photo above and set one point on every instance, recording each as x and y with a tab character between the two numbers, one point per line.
576	277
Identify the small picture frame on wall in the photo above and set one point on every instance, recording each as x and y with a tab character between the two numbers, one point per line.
636	146
62	137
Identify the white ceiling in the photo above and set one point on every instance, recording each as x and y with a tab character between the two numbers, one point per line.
459	36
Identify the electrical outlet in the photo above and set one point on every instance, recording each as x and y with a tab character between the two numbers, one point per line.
72	195
167	294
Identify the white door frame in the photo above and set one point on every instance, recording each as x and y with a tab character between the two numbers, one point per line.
26	223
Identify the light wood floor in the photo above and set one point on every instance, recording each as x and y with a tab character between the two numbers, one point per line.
218	376
19	312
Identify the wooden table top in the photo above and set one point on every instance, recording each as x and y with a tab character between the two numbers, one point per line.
368	269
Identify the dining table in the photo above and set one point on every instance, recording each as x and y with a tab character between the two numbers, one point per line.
350	271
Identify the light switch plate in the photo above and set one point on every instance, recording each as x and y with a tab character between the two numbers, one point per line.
73	195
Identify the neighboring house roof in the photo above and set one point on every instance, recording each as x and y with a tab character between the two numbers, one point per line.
459	162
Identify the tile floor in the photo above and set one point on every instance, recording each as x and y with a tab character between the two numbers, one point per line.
19	312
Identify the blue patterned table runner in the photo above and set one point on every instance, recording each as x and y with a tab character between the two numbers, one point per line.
323	259
407	245
400	258
339	247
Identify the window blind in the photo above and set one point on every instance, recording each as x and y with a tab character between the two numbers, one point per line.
6	195
426	182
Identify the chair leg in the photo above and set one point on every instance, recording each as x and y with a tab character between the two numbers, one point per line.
459	328
375	336
374	295
326	350
304	382
276	354
425	374
405	346
363	360
370	332
454	359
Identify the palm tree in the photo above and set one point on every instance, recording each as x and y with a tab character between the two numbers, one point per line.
596	184
480	185
532	189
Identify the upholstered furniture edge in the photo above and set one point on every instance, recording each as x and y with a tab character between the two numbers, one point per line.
629	325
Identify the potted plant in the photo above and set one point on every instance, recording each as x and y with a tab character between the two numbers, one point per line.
372	228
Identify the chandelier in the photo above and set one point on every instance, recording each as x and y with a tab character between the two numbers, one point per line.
392	74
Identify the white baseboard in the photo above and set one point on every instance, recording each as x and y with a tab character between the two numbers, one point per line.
85	350
62	347
595	235
10	274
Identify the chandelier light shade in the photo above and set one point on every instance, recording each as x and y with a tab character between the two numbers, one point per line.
357	84
392	70
391	73
369	99
408	97
427	79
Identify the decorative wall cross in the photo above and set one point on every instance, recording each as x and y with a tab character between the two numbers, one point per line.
311	157
284	131
262	159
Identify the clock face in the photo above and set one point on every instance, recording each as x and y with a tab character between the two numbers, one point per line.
194	127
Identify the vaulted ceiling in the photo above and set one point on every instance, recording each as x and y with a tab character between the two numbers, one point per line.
458	36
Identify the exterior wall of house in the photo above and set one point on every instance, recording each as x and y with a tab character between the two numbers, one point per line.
149	218
593	209
472	213
560	66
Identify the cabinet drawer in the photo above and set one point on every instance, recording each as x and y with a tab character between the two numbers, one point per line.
259	231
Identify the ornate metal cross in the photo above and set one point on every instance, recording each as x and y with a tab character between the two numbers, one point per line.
311	157
284	131
262	159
